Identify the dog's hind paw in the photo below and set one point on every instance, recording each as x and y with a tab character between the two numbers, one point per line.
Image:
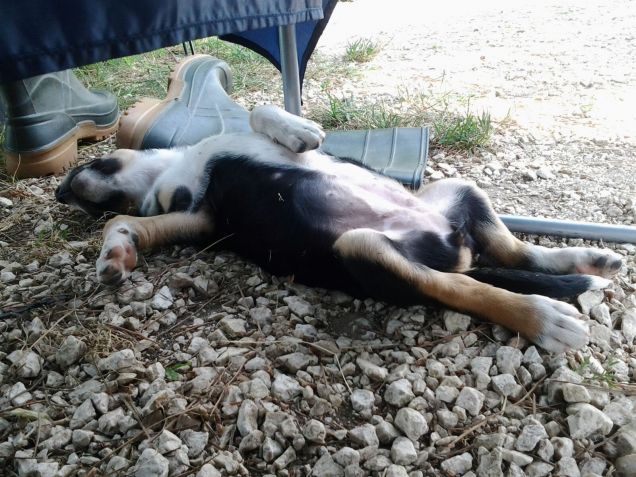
561	326
118	257
588	261
603	263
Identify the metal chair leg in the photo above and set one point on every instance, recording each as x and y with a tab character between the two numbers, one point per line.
569	228
289	68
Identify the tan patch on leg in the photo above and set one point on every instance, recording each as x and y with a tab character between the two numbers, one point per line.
465	260
512	310
164	229
501	246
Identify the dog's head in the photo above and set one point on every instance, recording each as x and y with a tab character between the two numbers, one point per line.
97	186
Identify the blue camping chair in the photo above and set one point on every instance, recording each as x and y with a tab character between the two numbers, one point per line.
39	37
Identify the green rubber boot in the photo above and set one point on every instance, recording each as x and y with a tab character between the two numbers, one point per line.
46	116
196	106
399	153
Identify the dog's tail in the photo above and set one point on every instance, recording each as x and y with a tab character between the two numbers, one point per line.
523	281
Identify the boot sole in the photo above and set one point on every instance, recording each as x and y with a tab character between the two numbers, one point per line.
59	157
137	120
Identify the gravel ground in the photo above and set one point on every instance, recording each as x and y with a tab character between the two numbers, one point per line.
204	365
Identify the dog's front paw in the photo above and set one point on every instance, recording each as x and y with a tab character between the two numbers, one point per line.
301	135
118	257
560	326
295	133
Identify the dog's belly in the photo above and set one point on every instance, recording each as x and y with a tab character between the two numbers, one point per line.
287	218
382	209
362	198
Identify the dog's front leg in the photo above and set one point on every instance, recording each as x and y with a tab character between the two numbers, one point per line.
295	133
124	235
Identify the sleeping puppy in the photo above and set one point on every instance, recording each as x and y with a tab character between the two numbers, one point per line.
281	203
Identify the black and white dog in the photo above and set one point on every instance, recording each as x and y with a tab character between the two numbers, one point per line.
328	222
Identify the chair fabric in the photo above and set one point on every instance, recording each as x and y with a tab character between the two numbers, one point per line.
42	36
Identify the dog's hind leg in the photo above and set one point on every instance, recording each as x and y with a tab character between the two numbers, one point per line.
295	133
370	257
469	207
124	235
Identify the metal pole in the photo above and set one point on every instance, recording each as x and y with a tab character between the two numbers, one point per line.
289	67
569	228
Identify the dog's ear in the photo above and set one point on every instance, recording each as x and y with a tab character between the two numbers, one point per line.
124	156
95	180
112	163
93	187
107	165
89	186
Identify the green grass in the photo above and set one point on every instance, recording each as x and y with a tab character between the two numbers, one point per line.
134	77
48	242
465	132
250	71
362	50
608	376
329	71
347	113
450	129
174	372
